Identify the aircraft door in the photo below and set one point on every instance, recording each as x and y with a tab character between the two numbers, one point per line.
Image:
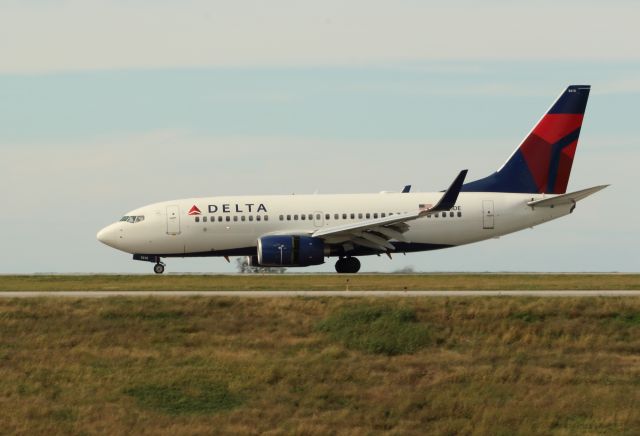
173	220
318	219
487	214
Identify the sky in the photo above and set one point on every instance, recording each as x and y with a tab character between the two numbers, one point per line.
106	106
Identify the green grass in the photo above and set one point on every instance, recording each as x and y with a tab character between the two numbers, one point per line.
321	282
169	366
377	329
200	398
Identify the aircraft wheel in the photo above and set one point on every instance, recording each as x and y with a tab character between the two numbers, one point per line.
349	265
353	265
158	268
341	266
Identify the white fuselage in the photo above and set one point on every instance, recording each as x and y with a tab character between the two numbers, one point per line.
232	225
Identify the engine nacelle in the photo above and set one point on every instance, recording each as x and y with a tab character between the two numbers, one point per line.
287	250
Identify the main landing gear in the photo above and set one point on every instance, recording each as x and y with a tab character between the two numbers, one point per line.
158	268
350	265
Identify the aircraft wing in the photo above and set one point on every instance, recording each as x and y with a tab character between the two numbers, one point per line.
570	198
376	233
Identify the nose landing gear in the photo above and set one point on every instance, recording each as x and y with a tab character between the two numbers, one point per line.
158	268
159	265
349	265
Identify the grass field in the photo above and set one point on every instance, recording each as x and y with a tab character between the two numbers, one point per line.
319	366
321	282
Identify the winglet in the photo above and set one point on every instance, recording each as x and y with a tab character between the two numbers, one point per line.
449	198
406	189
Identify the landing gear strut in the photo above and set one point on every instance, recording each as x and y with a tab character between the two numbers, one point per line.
349	265
158	268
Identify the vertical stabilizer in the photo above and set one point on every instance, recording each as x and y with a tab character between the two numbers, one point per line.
542	163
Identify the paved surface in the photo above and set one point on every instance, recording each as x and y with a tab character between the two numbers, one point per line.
286	294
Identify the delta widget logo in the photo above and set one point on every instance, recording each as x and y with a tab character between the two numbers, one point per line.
194	210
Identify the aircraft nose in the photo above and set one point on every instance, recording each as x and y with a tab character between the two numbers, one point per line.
108	235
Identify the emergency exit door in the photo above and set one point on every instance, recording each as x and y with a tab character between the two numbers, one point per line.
173	220
487	214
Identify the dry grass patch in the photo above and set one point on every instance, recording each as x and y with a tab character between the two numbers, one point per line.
205	365
321	282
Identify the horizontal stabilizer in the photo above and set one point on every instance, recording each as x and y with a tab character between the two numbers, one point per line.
570	198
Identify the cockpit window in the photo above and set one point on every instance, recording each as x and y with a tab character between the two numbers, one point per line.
132	219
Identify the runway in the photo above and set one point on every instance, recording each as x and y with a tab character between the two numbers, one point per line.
322	294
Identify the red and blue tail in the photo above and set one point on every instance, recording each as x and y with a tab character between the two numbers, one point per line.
542	163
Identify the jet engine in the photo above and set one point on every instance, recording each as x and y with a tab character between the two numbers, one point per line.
290	250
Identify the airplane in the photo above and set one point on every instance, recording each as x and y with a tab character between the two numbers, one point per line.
303	230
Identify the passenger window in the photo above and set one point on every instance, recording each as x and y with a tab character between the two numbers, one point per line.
459	214
197	219
428	215
383	215
258	217
344	216
204	219
219	219
368	216
336	216
243	218
250	217
353	216
375	215
310	217
228	218
360	216
318	216
327	216
266	217
235	217
295	217
437	215
451	214
281	217
288	217
302	217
